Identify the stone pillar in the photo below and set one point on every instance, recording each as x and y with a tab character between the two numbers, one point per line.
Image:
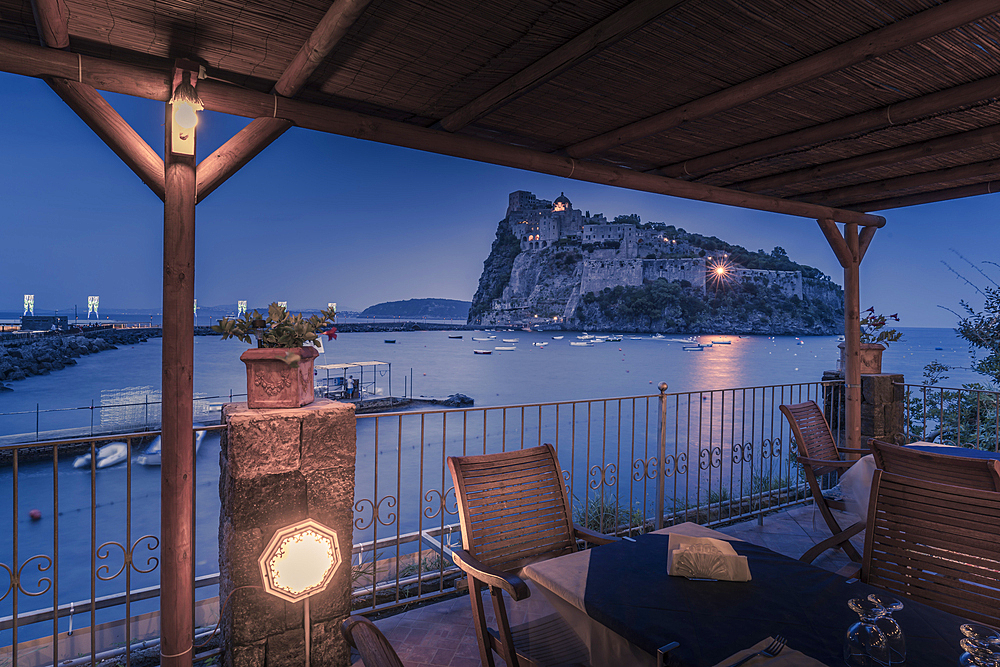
882	406
280	467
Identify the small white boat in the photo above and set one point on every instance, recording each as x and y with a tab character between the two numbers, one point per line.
692	348
151	457
557	338
542	344
505	348
479	339
455	336
510	340
614	339
657	336
482	352
599	340
585	336
722	342
635	337
582	344
108	455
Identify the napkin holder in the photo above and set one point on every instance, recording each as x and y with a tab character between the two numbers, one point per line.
705	558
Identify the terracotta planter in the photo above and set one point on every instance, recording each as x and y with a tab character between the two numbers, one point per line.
271	383
871	357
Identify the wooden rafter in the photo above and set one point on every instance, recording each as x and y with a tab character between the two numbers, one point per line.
856	194
986	188
890	156
622	23
215	169
29	60
51	17
901	112
924	25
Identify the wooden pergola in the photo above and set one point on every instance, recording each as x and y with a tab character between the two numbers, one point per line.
814	109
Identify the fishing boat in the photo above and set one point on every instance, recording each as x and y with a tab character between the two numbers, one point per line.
454	336
510	340
581	344
482	352
557	338
505	348
110	454
151	457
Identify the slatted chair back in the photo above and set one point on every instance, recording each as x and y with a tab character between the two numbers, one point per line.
934	467
513	507
935	543
812	434
371	644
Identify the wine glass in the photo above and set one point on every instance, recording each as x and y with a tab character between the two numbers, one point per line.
890	627
865	644
981	645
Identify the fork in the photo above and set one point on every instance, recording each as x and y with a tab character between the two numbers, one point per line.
771	651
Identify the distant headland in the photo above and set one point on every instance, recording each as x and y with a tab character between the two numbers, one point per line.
554	266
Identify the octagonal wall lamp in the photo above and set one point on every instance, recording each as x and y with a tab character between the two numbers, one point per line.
298	562
185	104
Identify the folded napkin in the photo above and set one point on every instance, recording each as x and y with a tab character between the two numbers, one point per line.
787	658
705	558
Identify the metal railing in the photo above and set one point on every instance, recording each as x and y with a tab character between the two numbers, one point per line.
725	456
961	417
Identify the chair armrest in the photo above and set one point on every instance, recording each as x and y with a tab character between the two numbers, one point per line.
588	535
848	450
825	463
490	576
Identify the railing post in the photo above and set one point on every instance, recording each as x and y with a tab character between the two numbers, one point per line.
661	441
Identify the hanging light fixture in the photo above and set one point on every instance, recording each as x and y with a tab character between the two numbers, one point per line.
185	105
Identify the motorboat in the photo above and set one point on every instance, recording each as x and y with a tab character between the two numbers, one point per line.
482	339
505	348
657	336
390	340
557	338
455	336
542	344
693	348
108	455
510	340
582	344
151	457
722	342
614	339
585	336
482	352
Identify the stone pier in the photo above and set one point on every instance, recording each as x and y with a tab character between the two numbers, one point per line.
280	467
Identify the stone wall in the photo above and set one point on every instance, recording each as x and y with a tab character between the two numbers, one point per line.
789	282
882	406
675	270
280	467
601	273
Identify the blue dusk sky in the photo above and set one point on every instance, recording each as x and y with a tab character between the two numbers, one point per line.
317	218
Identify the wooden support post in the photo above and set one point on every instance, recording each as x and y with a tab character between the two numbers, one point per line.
177	469
850	249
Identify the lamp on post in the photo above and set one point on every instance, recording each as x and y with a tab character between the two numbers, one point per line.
185	104
298	562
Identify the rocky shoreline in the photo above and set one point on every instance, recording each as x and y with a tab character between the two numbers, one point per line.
20	360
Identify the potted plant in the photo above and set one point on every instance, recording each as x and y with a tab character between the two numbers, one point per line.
280	368
874	339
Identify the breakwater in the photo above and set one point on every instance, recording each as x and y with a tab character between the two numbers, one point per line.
55	351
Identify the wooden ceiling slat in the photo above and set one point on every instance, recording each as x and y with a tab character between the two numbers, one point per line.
990	187
914	29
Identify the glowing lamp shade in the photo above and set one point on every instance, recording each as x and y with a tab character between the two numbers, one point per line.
300	560
186	104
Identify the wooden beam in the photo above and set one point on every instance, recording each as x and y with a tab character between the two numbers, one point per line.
595	39
177	519
926	24
338	19
30	60
865	240
901	112
215	169
52	21
987	188
891	156
836	241
852	338
854	194
95	111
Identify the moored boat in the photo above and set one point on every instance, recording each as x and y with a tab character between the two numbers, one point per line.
582	344
510	340
151	457
505	348
557	338
110	454
482	352
454	335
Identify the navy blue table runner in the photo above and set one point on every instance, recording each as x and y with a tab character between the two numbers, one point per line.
628	591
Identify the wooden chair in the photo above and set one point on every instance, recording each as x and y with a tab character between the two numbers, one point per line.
375	649
514	511
818	456
935	543
933	467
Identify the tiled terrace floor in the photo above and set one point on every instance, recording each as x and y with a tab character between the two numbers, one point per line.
442	634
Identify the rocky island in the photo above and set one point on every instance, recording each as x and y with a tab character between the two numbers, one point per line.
556	267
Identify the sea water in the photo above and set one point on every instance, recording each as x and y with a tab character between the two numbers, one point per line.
438	365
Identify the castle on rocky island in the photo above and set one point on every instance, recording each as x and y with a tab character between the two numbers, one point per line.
605	254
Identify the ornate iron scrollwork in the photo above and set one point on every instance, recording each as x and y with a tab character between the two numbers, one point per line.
742	453
16	579
710	458
603	476
770	448
376	510
442	503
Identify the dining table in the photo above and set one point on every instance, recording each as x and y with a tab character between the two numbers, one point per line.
625	606
856	483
